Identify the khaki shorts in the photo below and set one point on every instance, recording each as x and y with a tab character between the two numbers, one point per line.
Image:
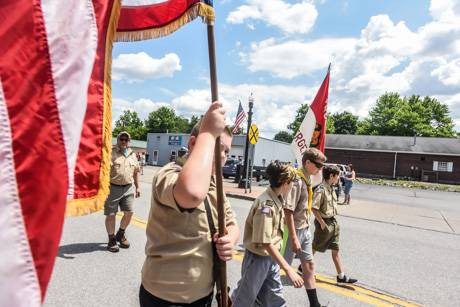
122	196
327	238
305	239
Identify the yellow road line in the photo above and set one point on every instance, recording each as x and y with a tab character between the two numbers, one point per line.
358	293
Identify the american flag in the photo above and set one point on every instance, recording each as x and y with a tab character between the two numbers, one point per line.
240	117
55	122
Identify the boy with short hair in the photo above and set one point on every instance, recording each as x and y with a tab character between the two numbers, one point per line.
327	229
297	210
178	269
263	234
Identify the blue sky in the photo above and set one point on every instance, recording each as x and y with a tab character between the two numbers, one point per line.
279	50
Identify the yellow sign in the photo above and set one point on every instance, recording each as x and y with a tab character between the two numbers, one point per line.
253	134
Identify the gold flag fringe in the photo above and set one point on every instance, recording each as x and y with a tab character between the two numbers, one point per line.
77	207
199	9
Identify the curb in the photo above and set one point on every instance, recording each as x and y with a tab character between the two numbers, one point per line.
239	196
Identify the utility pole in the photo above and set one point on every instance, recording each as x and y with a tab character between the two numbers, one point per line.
244	178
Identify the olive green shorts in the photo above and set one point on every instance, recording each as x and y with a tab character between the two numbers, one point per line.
327	238
119	196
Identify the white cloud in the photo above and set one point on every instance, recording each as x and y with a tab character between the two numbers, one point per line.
294	58
136	67
142	106
290	18
386	57
445	10
275	106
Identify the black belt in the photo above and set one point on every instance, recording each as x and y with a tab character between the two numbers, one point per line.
121	185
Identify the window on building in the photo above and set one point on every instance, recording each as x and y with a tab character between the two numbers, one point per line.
443	166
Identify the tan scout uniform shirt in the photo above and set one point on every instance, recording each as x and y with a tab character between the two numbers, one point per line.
325	200
297	202
122	168
179	258
264	223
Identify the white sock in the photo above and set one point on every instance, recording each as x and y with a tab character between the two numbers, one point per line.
341	275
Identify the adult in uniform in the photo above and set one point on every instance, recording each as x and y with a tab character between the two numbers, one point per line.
297	210
178	269
124	171
263	235
327	230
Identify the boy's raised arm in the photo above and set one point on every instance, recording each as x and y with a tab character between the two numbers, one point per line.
194	179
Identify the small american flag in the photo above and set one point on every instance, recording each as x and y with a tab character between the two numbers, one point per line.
240	117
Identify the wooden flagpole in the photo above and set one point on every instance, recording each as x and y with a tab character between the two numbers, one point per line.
222	280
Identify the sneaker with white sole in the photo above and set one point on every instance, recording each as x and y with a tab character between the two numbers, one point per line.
345	280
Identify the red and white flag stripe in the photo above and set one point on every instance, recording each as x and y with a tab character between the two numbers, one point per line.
48	52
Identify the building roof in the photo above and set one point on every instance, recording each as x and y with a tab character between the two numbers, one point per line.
423	145
133	143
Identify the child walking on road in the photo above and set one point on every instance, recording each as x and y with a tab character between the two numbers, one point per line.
327	229
263	233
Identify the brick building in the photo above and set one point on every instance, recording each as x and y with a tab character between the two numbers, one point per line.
416	158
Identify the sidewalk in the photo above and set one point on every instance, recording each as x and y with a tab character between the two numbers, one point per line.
414	217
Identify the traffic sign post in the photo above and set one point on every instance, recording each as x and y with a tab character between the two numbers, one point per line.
253	134
244	180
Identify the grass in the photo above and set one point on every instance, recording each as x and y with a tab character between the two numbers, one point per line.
411	184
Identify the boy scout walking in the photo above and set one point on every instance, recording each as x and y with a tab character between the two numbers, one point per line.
263	234
178	269
326	227
297	211
124	170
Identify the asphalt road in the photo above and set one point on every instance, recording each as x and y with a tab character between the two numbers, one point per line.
415	265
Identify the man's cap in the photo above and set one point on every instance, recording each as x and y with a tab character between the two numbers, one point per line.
124	133
183	149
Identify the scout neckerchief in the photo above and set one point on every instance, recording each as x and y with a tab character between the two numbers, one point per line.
301	174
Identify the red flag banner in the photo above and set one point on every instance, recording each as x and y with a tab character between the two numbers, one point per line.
55	134
319	108
140	21
312	131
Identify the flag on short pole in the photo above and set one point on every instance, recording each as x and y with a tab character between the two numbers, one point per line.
240	117
312	131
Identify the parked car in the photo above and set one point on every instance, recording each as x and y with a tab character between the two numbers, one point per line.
230	168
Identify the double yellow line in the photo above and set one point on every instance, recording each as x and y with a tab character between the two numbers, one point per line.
359	293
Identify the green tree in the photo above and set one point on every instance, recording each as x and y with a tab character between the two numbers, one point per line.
394	115
182	124
344	123
193	121
162	120
283	136
130	121
301	112
330	125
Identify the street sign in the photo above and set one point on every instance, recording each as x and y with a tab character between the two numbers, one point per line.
253	134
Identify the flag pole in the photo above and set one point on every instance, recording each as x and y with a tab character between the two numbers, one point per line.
222	278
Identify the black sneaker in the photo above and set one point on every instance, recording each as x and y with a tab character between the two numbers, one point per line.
345	280
112	245
121	239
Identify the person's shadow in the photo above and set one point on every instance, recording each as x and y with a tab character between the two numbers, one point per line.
80	248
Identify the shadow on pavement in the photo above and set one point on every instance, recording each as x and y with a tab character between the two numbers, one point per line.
80	248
